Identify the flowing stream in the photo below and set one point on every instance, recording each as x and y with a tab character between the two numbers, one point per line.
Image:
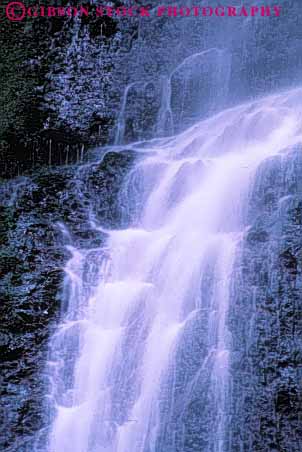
146	336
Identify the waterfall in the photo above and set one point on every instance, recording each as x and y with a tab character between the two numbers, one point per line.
165	118
140	360
120	128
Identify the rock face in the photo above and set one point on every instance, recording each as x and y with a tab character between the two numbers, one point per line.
32	260
96	80
265	314
60	70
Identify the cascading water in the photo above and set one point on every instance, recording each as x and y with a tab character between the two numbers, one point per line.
140	362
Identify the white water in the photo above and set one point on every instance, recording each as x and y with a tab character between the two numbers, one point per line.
131	301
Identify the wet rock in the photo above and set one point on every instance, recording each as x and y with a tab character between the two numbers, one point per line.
32	259
264	318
